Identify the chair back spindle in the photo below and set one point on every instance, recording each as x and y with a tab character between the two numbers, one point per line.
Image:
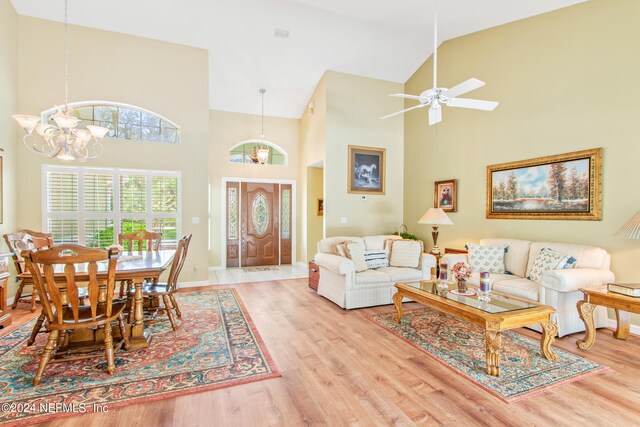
143	238
178	262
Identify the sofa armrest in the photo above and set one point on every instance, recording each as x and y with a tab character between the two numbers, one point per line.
427	262
573	279
335	263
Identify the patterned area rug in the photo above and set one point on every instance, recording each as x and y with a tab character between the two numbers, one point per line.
460	346
215	346
261	268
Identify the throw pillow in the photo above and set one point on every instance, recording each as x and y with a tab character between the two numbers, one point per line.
548	260
341	248
376	258
356	254
487	258
406	253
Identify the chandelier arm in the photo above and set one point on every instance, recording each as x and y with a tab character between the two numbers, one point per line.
32	148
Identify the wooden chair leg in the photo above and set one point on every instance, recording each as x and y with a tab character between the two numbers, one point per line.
123	331
175	305
108	348
123	288
34	294
36	329
169	310
16	299
46	356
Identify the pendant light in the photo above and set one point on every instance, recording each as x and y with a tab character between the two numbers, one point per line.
263	150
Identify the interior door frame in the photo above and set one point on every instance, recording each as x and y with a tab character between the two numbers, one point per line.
223	235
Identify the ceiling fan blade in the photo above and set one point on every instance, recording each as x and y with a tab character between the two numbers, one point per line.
404	111
464	87
405	96
476	104
435	115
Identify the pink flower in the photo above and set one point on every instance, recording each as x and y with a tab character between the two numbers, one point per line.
462	270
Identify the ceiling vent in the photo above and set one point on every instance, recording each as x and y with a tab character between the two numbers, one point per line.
283	34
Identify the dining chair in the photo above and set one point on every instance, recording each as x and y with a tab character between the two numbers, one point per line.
167	290
146	241
18	242
61	302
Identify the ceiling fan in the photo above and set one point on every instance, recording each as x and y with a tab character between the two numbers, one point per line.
436	97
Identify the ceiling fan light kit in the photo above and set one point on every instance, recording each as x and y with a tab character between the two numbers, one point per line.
436	97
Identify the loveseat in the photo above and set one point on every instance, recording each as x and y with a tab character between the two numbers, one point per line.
558	288
340	283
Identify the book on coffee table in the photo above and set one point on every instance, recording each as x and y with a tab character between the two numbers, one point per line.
629	289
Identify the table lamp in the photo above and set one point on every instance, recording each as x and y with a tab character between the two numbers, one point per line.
435	217
631	230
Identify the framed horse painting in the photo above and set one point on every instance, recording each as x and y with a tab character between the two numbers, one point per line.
367	170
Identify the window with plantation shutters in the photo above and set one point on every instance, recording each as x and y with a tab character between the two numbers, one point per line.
92	206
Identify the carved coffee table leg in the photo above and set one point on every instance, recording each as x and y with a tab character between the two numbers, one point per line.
493	343
622	330
585	310
397	301
549	332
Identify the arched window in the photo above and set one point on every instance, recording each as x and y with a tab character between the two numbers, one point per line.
123	121
245	152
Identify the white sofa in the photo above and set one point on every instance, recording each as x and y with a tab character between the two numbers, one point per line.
340	283
557	288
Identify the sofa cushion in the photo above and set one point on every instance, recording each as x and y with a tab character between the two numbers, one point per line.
398	274
494	277
376	258
377	242
405	253
517	255
586	256
521	288
355	252
487	258
328	245
372	276
548	260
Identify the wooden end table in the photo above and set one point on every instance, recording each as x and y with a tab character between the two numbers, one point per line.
622	304
503	312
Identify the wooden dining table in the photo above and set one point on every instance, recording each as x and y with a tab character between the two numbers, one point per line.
135	267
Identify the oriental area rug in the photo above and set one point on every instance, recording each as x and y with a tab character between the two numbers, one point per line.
460	346
215	346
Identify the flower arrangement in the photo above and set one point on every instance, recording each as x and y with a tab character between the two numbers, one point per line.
462	271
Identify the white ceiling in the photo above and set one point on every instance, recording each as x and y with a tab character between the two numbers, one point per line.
384	39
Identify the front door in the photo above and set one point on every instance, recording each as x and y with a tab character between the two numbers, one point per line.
260	224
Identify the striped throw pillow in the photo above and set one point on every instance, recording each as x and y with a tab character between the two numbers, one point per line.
376	258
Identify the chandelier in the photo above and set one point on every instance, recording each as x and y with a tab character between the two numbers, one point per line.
262	151
66	138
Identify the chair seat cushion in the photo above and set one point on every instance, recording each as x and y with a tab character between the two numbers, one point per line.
84	312
372	276
399	274
521	288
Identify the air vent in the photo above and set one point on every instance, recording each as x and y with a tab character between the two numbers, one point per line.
283	34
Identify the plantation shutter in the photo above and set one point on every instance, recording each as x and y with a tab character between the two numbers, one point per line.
62	206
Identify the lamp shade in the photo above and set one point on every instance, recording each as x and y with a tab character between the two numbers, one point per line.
435	216
631	230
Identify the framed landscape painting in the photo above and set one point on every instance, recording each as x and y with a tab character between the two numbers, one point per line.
366	170
445	195
564	186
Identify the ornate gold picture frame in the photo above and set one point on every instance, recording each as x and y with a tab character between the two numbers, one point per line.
367	168
564	186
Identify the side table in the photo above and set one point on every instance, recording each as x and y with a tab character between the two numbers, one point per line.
314	275
5	316
622	304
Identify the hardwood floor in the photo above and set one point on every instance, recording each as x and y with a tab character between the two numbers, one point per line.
340	369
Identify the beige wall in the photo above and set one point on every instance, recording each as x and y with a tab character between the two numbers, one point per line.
354	107
8	129
228	129
566	81
312	146
315	191
168	79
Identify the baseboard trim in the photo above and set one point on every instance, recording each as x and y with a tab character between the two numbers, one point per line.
193	284
635	329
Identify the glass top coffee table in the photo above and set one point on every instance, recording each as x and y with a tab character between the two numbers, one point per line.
503	312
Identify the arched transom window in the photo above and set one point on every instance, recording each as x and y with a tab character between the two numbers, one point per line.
246	152
123	121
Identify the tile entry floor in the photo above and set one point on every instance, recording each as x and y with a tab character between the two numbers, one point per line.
230	276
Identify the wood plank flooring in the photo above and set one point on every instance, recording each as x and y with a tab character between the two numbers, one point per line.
340	369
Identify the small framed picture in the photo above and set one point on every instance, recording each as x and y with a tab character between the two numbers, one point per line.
445	195
320	211
366	170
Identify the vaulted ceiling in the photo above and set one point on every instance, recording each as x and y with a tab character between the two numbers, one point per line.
374	38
